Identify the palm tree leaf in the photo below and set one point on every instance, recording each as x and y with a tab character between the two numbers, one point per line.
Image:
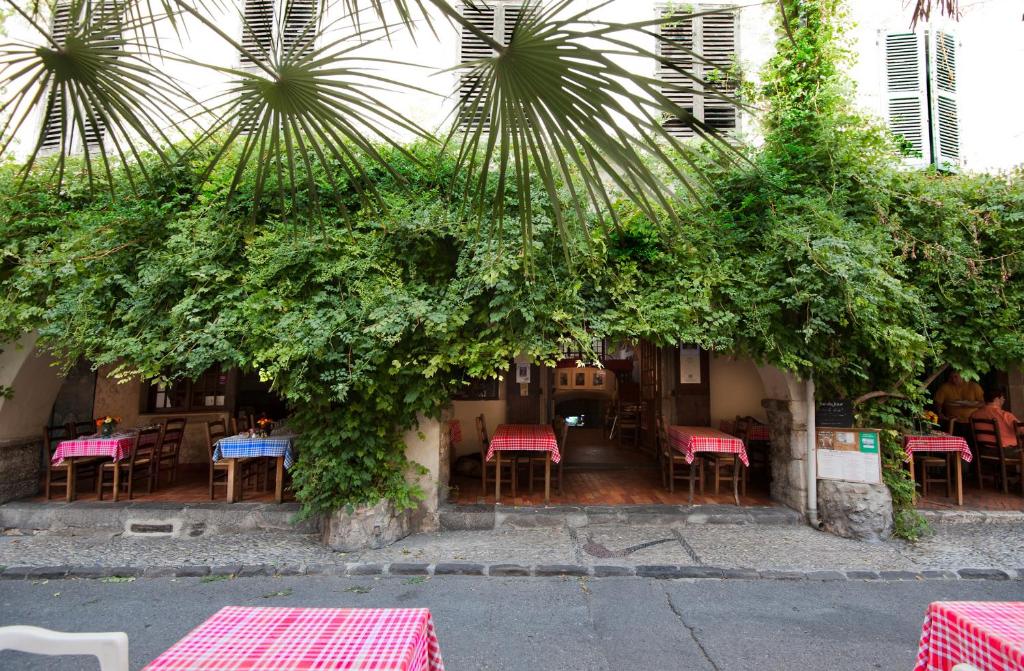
556	106
103	93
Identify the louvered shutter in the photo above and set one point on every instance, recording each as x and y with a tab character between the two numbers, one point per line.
298	33
945	122
678	35
53	117
257	32
906	109
717	38
105	22
472	48
713	38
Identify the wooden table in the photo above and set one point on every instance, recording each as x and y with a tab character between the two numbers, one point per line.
234	449
528	438
693	439
307	639
938	442
116	447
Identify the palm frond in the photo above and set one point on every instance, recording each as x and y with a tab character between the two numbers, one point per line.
97	88
557	105
295	104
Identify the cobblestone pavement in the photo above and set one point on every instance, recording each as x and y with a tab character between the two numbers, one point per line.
954	546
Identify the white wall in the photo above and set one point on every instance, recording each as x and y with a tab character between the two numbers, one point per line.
35	382
736	389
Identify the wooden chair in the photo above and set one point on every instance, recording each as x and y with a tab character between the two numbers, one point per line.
241	423
216	430
629	422
57	476
724	466
170	448
83	428
140	464
988	448
539	459
508	462
931	462
673	462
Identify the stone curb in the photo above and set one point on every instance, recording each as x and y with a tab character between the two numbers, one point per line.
498	570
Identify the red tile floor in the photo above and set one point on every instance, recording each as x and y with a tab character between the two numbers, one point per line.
191	486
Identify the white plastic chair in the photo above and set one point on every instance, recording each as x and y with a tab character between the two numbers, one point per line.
110	648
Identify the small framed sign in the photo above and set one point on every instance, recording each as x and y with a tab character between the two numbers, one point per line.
523	373
849	454
689	365
834	414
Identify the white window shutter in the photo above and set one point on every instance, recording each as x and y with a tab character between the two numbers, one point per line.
299	30
672	57
257	32
906	109
945	121
472	110
53	116
106	18
717	37
713	38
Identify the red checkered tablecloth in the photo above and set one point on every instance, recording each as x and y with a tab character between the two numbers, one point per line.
758	432
454	431
986	634
936	442
533	437
307	639
116	447
692	439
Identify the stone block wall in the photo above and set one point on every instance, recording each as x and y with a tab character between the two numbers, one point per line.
20	468
788	429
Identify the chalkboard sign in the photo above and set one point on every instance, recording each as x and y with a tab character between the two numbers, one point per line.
836	414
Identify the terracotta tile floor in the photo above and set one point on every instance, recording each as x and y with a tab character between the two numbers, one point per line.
974	499
192	486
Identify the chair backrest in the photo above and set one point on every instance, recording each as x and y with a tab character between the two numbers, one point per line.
986	435
84	428
481	434
241	423
110	648
53	435
215	430
662	433
147	441
174	432
740	427
562	435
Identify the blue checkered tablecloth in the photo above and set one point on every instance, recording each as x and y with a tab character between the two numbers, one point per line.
237	447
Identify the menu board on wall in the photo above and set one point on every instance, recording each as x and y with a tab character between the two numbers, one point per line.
834	413
689	365
849	454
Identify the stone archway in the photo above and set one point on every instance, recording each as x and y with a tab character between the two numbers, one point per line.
786	406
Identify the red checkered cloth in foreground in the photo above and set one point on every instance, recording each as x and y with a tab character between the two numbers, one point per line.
692	439
117	447
986	634
937	442
300	639
534	437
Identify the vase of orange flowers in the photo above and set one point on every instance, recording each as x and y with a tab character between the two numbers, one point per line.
105	426
927	423
263	427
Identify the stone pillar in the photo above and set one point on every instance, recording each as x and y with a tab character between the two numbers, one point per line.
855	510
788	429
20	468
427	445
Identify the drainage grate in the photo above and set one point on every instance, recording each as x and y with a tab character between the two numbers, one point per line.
151	528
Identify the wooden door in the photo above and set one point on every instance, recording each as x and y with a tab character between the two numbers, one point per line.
519	408
693	400
650	393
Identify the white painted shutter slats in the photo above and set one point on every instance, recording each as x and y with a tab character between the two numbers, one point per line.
257	32
945	117
906	92
472	48
53	116
712	37
300	27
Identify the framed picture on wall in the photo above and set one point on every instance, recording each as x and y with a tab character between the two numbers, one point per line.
523	373
599	378
581	380
563	378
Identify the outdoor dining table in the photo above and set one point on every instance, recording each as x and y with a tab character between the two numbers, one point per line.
988	635
239	638
524	437
938	442
689	440
233	448
117	446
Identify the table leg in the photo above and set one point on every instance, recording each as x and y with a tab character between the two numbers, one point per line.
117	479
547	479
232	479
497	477
736	479
69	495
693	468
959	480
279	480
913	483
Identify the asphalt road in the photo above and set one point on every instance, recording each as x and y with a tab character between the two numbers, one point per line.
538	623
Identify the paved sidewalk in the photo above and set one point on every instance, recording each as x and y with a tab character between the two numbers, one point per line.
613	549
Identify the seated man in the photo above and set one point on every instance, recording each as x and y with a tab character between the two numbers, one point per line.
957	398
1004	419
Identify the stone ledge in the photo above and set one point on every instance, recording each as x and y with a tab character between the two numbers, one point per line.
500	570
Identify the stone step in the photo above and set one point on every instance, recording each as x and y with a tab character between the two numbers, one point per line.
479	517
155	518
